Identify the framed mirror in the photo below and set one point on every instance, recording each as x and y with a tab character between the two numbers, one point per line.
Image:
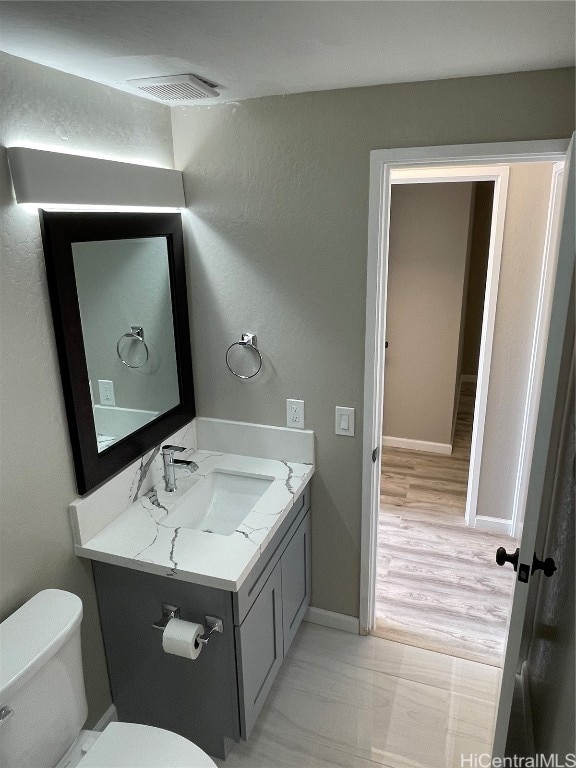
117	288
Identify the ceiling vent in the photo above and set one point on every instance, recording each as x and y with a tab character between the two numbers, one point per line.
176	89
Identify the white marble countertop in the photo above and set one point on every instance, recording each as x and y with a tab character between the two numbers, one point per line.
139	538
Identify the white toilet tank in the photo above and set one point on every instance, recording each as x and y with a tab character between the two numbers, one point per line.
42	697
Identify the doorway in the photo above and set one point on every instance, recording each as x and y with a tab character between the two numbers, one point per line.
383	164
436	587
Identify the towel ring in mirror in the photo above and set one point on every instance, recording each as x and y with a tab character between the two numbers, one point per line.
136	333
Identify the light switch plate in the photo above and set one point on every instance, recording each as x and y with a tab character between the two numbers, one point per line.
344	421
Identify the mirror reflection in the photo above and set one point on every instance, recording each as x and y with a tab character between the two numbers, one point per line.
124	298
117	284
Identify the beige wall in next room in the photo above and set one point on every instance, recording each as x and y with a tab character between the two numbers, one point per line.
428	249
529	189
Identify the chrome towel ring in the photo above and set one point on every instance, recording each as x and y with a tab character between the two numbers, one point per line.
248	341
136	333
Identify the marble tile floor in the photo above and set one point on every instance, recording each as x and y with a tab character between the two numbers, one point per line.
342	700
438	586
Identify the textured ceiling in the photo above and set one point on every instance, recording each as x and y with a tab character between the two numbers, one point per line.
261	48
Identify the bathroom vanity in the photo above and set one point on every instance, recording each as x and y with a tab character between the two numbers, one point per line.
247	564
229	540
215	699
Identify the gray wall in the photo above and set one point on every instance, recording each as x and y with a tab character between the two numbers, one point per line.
277	190
429	232
54	110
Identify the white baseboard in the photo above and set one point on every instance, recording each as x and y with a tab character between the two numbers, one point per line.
471	378
493	525
110	716
334	620
416	445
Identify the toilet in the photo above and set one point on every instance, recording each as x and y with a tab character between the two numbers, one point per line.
43	702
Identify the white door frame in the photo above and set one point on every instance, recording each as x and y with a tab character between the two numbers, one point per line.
539	346
382	163
471	173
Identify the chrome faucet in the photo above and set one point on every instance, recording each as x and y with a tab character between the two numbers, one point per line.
171	465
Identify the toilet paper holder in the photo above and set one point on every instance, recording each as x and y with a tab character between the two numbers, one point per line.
173	612
215	624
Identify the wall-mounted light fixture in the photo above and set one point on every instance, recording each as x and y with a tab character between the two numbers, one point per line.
43	177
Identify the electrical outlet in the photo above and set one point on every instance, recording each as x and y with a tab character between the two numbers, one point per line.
106	391
295	414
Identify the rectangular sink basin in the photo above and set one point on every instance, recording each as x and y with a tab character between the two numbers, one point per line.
219	502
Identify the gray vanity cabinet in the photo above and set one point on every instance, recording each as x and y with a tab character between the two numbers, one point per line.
266	632
215	699
259	650
295	564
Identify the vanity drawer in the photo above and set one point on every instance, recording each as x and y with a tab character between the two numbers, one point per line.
253	584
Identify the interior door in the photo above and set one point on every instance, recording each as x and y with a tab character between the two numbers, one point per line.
556	330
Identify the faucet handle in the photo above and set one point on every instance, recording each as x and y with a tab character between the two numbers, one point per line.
167	449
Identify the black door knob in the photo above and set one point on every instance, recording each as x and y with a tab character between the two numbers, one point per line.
503	557
548	565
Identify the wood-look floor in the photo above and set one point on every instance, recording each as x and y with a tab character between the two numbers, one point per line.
438	586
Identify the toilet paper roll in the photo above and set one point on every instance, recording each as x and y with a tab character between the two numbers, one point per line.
181	638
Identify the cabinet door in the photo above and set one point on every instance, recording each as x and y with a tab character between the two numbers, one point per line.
295	581
259	650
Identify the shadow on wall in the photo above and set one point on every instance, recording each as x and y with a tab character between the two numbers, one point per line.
6	190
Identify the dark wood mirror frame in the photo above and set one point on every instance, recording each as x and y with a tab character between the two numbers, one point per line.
59	231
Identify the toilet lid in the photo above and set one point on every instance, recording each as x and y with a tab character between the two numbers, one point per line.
128	745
